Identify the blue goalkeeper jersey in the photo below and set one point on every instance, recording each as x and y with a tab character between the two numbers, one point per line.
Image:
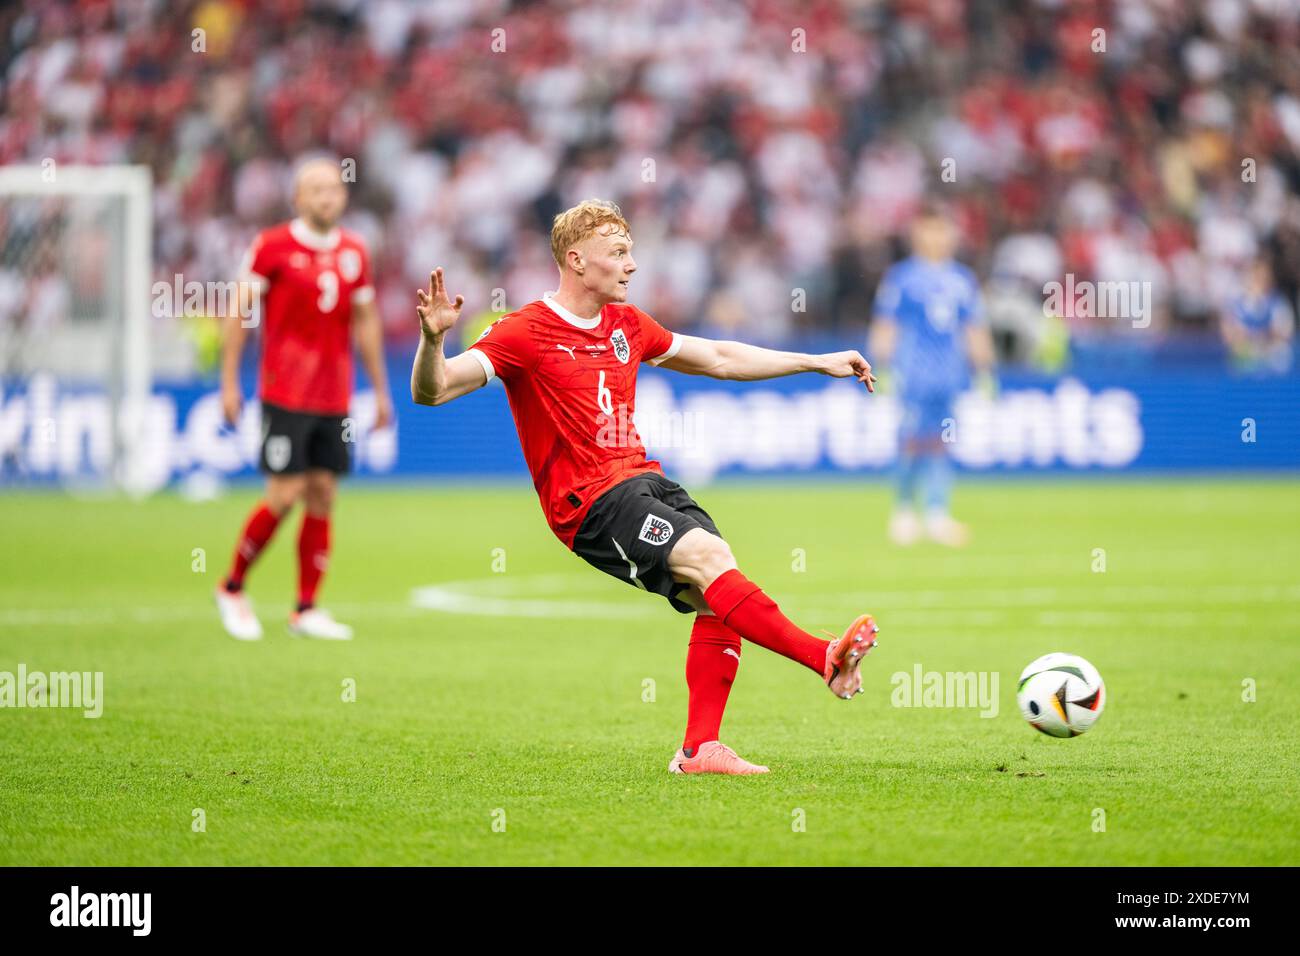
932	303
1259	315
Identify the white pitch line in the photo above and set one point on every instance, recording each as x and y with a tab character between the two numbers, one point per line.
554	596
985	608
168	614
449	599
1030	597
976	566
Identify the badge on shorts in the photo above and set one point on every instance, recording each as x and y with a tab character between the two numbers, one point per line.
278	450
619	341
656	530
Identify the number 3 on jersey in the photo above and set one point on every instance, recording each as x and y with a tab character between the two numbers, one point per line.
328	284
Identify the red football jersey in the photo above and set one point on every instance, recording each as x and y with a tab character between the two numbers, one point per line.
572	388
309	281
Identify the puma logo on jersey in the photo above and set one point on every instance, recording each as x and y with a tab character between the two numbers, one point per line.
656	530
731	651
568	349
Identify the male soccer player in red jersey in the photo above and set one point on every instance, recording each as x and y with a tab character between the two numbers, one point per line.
569	364
313	280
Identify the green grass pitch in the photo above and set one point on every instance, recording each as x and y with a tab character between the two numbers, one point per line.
529	715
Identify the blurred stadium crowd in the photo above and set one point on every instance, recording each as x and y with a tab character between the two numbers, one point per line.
757	148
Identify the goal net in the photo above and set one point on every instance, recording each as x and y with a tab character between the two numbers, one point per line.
75	246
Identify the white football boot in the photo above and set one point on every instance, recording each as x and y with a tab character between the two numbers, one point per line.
237	615
904	528
941	527
318	623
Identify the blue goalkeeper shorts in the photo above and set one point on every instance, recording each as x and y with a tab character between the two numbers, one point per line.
925	417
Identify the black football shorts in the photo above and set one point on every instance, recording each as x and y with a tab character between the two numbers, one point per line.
630	530
293	442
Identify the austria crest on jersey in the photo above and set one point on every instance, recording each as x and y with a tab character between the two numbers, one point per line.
619	341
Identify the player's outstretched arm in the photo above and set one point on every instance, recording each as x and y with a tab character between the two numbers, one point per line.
750	363
435	379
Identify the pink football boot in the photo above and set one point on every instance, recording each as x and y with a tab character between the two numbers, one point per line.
844	656
713	757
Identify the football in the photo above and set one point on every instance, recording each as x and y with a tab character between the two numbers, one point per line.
1061	694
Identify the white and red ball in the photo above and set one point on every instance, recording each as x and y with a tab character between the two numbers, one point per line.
1061	694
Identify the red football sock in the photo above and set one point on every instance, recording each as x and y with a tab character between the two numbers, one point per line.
257	532
313	557
740	604
711	661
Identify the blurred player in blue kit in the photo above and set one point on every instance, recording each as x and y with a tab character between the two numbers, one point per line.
1258	323
928	332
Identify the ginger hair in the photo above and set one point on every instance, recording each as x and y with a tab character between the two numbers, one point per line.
576	224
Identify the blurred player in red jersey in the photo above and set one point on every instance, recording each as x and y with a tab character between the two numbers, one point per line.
313	279
569	364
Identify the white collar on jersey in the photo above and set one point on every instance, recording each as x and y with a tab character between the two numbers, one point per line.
309	237
568	316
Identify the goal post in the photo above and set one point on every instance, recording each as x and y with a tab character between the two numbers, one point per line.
75	266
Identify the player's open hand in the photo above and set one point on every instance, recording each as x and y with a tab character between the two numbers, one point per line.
849	364
437	313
